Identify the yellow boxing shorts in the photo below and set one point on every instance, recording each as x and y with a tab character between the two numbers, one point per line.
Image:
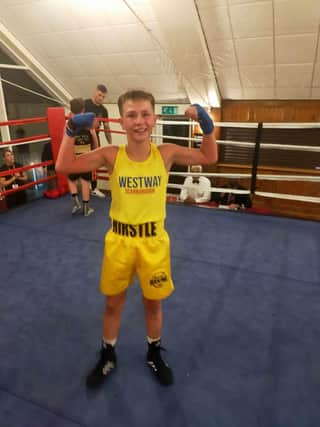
142	249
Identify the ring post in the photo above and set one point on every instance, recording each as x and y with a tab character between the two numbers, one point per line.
56	125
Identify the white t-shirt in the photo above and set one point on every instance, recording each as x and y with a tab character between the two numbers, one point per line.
200	192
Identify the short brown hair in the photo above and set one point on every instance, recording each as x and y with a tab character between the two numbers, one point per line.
102	88
77	105
135	95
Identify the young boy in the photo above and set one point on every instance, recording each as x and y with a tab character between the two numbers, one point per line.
137	241
85	141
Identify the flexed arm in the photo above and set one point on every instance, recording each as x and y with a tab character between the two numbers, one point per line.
208	151
67	162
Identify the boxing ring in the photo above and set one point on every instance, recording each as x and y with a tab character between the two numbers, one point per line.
241	329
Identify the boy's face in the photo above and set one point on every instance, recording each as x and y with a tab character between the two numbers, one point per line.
138	119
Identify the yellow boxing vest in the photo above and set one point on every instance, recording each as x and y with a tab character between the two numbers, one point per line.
138	189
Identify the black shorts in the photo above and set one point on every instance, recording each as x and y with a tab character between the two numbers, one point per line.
84	175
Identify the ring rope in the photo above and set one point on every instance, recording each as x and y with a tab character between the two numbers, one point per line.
25	168
213	189
271	146
284	125
28	185
309	178
245	144
259	193
27	140
24	121
289	197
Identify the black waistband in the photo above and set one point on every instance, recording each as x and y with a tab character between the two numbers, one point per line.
147	229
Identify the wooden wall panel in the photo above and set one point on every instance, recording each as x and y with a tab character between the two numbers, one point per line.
281	207
270	111
275	111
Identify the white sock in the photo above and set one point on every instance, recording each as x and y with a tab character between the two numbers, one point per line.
111	342
151	340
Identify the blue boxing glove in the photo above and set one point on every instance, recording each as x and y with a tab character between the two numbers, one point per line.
204	120
79	122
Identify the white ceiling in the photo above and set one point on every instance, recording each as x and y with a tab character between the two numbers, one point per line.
181	50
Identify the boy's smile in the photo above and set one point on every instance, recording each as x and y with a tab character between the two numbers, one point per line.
138	120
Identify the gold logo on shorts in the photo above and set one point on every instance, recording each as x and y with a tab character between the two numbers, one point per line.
158	279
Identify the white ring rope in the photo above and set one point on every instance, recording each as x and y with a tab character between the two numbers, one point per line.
289	197
295	197
290	147
217	124
24	143
257	193
182	138
251	125
213	189
246	144
309	178
288	125
271	146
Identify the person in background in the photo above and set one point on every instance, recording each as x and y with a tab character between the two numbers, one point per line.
234	201
13	180
137	242
196	188
95	105
48	170
85	141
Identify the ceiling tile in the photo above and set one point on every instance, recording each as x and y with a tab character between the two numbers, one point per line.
315	94
50	45
78	43
293	93
232	93
119	63
143	8
203	4
131	80
59	13
118	12
67	67
169	84
88	16
25	20
152	62
259	93
252	20
15	2
92	65
216	23
233	2
316	76
294	76
135	38
108	40
296	49
257	77
249	51
222	53
294	16
228	77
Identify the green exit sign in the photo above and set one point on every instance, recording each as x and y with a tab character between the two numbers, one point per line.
169	109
